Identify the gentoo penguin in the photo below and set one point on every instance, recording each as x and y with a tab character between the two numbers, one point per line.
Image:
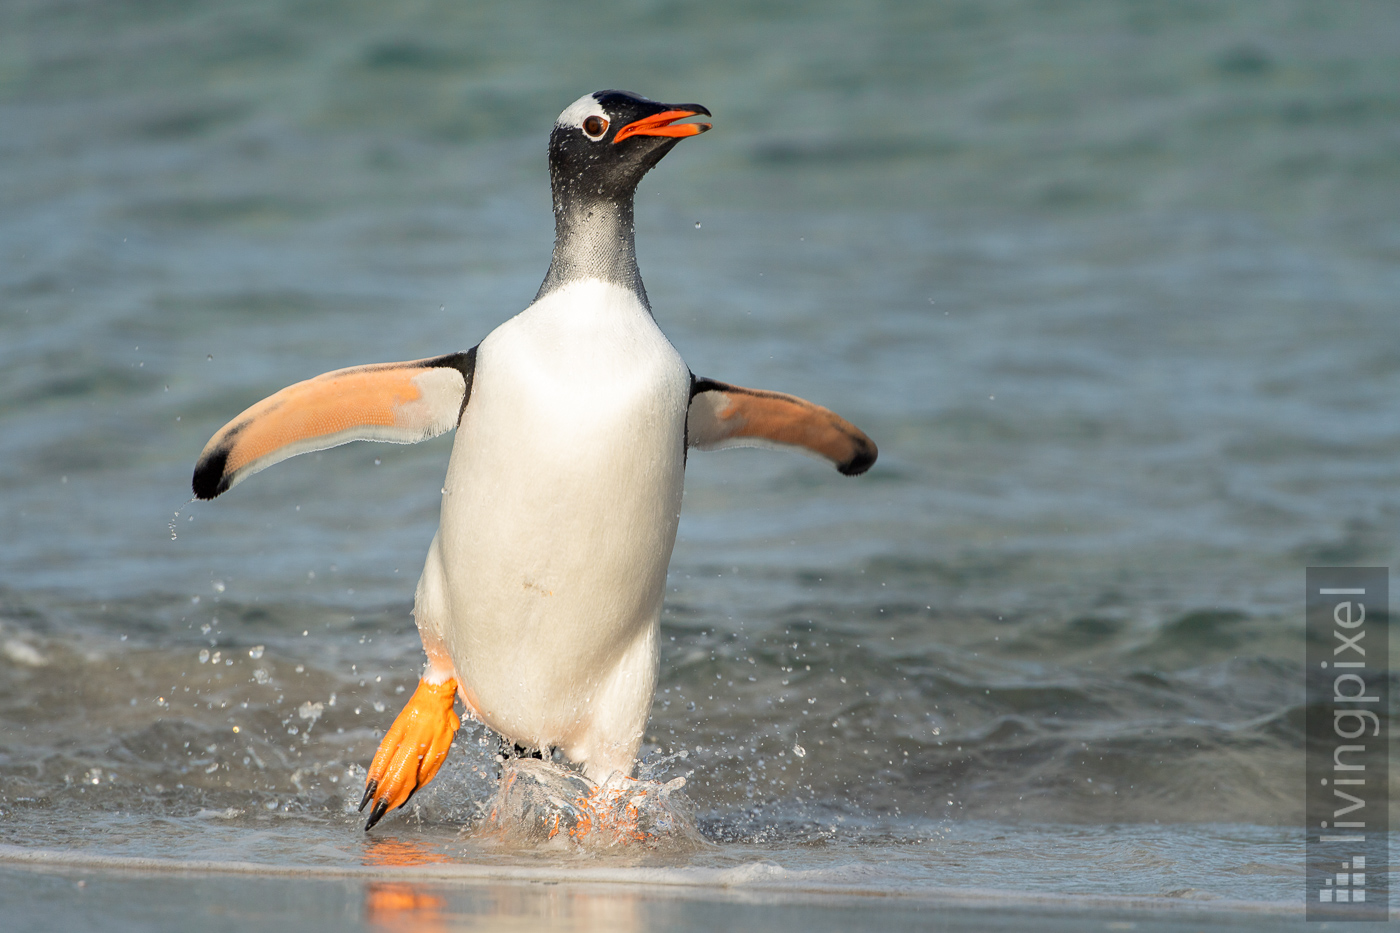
539	603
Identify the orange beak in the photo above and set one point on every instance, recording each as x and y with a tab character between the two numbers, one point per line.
661	124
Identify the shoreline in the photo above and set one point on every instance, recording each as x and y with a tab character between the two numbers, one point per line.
756	878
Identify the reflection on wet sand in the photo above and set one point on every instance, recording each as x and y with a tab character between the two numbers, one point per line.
401	907
396	853
404	906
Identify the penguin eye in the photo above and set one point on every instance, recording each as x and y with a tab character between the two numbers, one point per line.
595	126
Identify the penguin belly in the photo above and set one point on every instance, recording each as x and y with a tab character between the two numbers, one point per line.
562	498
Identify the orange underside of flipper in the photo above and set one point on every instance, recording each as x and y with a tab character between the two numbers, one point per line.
413	749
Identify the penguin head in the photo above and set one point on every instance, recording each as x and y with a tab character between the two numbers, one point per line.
604	142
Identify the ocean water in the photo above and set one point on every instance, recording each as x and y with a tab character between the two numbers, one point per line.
1112	286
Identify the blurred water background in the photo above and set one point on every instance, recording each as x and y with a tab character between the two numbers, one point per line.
1112	284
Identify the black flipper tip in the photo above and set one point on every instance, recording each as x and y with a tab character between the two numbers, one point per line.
862	460
209	478
381	807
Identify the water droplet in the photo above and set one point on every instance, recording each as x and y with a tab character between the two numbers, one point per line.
219	586
210	357
799	751
256	651
175	519
203	655
697	225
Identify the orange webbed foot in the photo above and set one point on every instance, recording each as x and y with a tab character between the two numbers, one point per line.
413	749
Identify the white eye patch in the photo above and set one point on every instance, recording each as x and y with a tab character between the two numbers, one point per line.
580	110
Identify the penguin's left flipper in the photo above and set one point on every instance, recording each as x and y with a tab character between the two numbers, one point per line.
401	403
723	415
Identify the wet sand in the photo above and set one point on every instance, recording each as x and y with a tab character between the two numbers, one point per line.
63	891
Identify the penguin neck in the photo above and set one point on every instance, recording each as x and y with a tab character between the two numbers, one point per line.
593	239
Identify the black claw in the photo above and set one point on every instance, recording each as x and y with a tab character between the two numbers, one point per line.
370	788
510	749
381	807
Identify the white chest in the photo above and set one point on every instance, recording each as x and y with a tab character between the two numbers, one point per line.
579	373
561	504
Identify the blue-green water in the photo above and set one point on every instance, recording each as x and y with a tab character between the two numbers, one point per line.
1112	285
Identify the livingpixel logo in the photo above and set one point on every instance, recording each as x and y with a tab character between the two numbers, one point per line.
1347	886
1347	748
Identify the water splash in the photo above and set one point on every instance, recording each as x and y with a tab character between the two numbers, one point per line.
542	803
176	517
653	766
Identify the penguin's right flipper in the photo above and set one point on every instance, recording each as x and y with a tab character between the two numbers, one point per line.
723	415
401	403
